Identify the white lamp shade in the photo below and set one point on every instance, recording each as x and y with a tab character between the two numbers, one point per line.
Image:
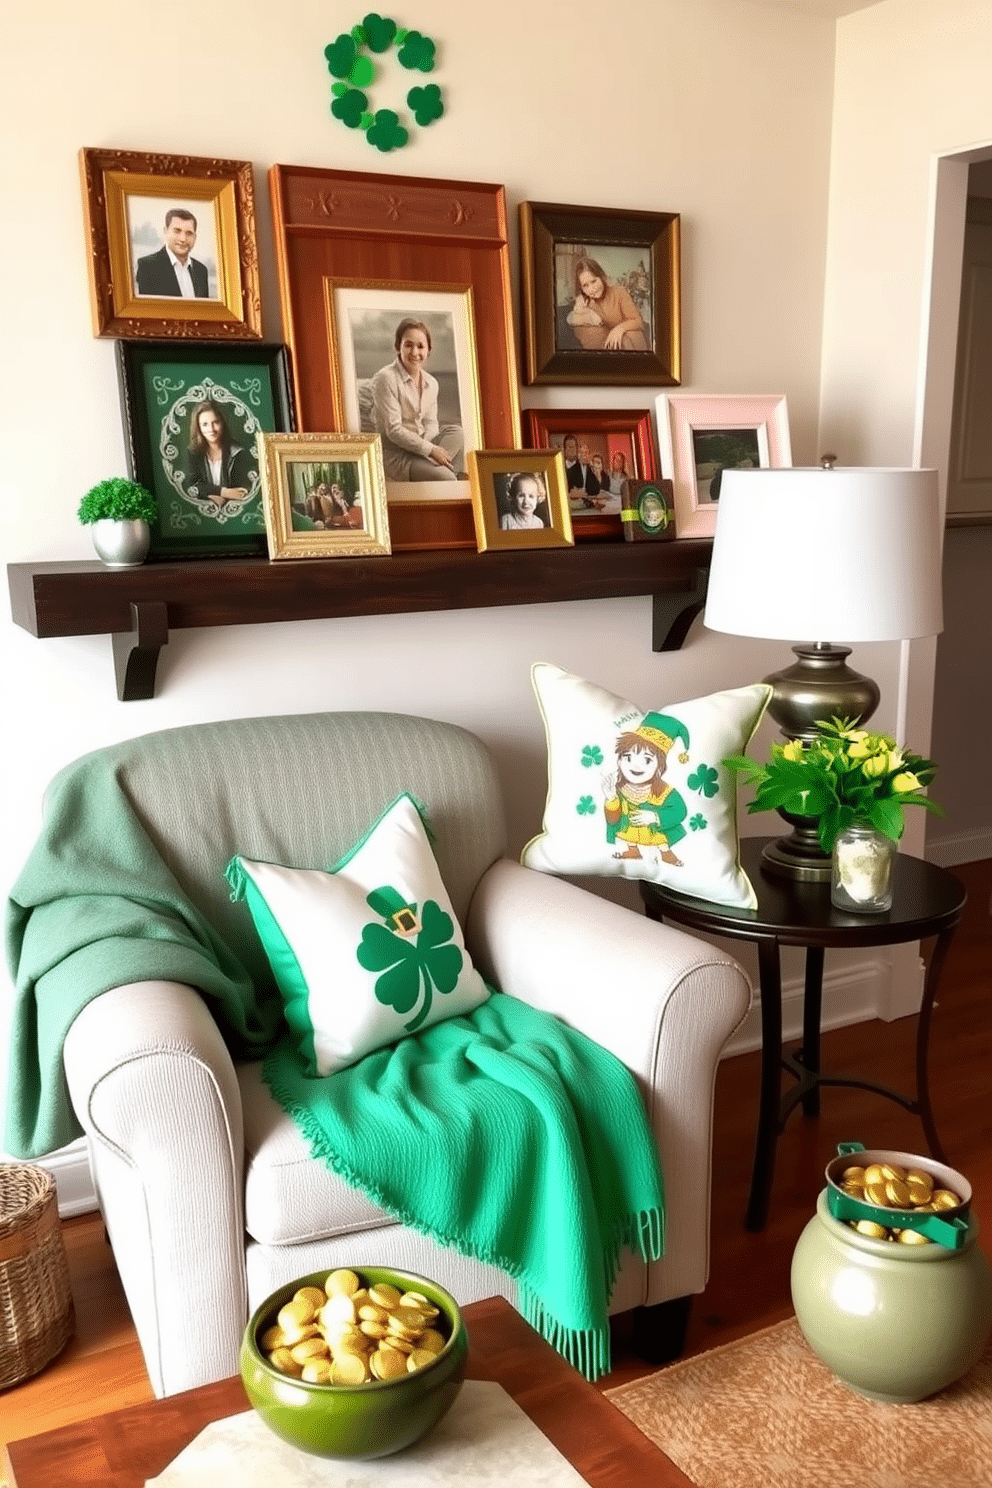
848	554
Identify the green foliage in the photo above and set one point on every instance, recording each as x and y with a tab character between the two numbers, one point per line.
118	499
844	777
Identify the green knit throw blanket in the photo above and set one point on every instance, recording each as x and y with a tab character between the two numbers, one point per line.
508	1136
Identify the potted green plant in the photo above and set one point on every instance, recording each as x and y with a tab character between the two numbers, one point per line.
120	513
856	785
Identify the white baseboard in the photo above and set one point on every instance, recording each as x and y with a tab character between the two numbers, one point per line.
71	1170
966	847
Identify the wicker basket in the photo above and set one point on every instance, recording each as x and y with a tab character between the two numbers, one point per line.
36	1311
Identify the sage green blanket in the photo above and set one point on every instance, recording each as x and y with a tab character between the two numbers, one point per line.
508	1136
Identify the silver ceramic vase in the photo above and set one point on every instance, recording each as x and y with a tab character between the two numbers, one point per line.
122	544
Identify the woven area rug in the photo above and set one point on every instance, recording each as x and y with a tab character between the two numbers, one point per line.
765	1413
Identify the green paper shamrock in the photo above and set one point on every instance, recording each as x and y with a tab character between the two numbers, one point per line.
341	56
592	755
417	52
350	108
380	33
411	967
697	822
585	806
362	73
386	132
705	780
426	103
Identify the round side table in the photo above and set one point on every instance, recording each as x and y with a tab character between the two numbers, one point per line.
926	901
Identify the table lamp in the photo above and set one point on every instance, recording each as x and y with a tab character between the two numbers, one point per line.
841	551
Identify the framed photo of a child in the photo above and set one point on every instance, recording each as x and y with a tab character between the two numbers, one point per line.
519	499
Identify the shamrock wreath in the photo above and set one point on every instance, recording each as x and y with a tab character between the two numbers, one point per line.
348	61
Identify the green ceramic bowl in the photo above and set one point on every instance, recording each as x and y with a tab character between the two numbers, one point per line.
356	1422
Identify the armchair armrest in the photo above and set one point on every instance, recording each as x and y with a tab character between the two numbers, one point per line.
153	1085
662	1001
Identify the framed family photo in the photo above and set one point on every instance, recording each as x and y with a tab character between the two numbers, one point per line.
405	368
324	495
700	435
192	412
171	245
603	452
601	295
519	499
358	253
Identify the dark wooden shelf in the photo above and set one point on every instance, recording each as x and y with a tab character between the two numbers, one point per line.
139	606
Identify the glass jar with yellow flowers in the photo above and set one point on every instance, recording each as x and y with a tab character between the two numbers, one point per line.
856	785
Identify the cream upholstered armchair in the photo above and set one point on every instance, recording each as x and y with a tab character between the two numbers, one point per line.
207	1189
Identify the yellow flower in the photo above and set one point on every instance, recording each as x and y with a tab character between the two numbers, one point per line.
859	743
896	757
875	765
905	783
793	750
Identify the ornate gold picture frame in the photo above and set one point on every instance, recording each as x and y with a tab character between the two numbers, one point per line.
519	499
324	495
171	244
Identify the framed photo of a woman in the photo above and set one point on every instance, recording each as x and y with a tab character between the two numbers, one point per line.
404	367
519	499
700	435
192	412
601	295
324	495
604	451
171	243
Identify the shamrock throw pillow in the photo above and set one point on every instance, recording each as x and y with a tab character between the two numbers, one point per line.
641	793
366	953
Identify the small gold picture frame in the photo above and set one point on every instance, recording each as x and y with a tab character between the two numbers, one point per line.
171	245
519	499
324	495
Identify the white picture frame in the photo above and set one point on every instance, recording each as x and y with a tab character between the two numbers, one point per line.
702	434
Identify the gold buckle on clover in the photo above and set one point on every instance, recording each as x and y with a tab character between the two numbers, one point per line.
405	922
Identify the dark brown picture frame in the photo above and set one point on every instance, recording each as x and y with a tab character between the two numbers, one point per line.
543	426
542	226
332	224
225	189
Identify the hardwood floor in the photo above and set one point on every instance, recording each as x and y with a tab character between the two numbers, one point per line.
101	1369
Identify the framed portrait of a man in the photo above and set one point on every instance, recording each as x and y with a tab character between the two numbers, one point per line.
600	295
171	245
192	416
405	368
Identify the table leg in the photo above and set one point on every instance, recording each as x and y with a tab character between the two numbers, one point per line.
766	1137
924	1109
809	1054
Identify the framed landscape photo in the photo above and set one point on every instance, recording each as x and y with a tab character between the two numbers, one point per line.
405	368
700	435
519	499
171	245
600	295
404	237
603	452
324	495
192	411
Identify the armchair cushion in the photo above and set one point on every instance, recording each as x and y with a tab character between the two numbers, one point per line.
367	953
642	793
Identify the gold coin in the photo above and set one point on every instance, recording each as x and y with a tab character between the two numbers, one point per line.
876	1194
917	1175
410	1318
871	1229
419	1358
912	1237
272	1338
853	1175
282	1359
295	1314
402	1345
349	1369
338	1308
892	1170
874	1173
389	1363
385	1295
310	1348
943	1198
313	1295
341	1282
352	1342
369	1313
374	1330
433	1340
897	1193
317	1371
919	1193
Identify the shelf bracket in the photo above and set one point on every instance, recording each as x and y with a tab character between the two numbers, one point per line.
136	650
673	611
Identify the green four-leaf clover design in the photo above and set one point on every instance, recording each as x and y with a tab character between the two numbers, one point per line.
413	952
704	779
